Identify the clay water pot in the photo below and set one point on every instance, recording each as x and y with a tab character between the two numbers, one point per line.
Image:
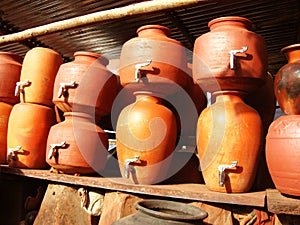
10	70
38	73
146	63
230	56
145	139
282	154
77	145
27	134
287	81
85	85
5	110
229	137
163	212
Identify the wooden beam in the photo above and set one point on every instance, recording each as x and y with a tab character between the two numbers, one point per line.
105	15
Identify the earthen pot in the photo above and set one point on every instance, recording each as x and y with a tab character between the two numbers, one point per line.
38	73
282	154
145	139
85	85
146	63
230	56
77	145
10	70
5	110
287	81
27	134
229	137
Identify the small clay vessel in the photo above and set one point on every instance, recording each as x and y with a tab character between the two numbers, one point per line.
5	110
77	145
27	134
287	81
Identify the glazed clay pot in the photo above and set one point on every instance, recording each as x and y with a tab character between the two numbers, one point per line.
38	73
229	137
10	70
85	85
282	154
145	139
230	56
163	212
146	63
5	110
287	81
77	145
28	129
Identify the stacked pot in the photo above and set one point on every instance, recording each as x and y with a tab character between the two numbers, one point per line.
84	91
283	138
10	70
230	61
31	119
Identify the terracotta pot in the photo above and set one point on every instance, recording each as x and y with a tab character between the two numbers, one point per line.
38	73
145	139
146	63
10	70
5	110
163	212
28	129
77	145
282	154
230	56
85	85
287	81
229	137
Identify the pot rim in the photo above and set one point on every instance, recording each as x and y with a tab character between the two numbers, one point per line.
290	47
165	29
244	20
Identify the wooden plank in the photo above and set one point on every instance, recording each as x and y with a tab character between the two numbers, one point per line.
280	204
187	191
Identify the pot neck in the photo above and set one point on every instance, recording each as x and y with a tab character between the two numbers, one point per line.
229	95
11	56
147	96
292	52
90	57
84	116
153	30
230	22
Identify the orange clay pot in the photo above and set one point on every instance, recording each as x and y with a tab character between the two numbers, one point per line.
283	155
229	137
38	73
77	145
145	139
5	110
27	134
230	56
287	81
146	62
10	70
85	85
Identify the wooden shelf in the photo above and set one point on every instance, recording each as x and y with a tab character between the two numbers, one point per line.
189	191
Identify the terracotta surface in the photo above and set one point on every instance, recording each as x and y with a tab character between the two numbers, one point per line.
211	60
282	154
146	129
10	70
28	127
165	71
40	67
287	81
95	87
229	130
85	148
5	110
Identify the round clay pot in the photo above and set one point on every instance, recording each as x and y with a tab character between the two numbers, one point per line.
230	56
163	212
229	137
85	85
38	73
145	139
77	145
10	70
282	154
146	63
5	110
27	134
287	81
